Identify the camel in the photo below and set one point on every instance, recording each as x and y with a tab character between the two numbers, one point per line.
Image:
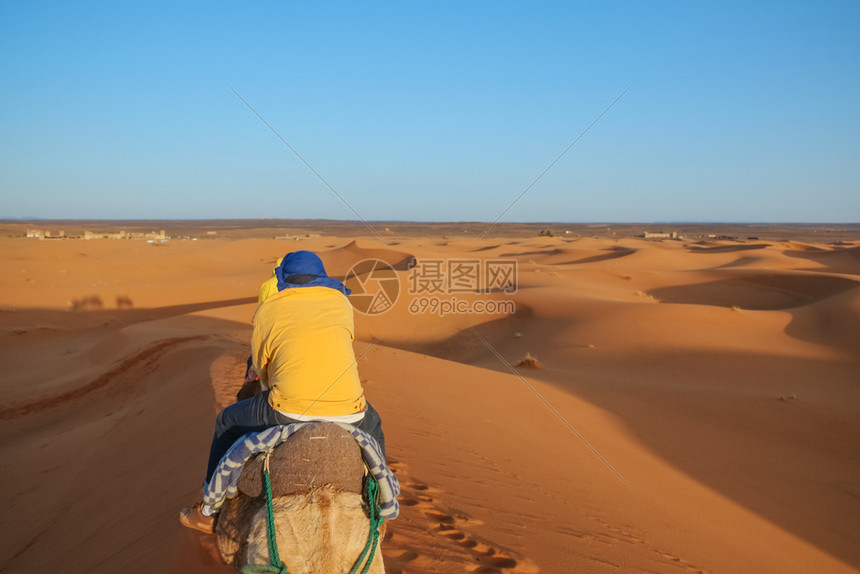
321	517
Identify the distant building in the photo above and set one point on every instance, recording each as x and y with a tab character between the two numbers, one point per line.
298	237
45	234
660	235
91	235
152	235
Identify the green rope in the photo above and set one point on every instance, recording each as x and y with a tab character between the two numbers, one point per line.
276	566
375	522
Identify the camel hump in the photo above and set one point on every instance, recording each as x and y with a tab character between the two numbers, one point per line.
317	455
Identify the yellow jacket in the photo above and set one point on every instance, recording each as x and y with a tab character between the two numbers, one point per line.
302	350
268	288
270	285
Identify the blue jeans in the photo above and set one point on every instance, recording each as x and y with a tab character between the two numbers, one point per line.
256	414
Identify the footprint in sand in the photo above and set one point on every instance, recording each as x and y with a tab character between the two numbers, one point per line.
452	534
440	516
625	536
404	555
449	527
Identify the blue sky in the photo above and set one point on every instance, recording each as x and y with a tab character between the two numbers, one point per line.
431	111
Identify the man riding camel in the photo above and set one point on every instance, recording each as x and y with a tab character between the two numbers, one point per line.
301	349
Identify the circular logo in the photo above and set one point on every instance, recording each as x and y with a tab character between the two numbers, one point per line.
375	286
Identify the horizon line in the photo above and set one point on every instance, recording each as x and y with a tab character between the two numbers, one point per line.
415	221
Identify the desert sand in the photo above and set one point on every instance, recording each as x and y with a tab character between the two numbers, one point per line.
695	406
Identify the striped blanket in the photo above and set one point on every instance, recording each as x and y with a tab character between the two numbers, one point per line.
222	485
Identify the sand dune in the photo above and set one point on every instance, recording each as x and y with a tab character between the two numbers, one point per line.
339	260
833	260
696	408
727	248
759	291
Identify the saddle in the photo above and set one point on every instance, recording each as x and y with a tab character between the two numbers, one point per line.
317	455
